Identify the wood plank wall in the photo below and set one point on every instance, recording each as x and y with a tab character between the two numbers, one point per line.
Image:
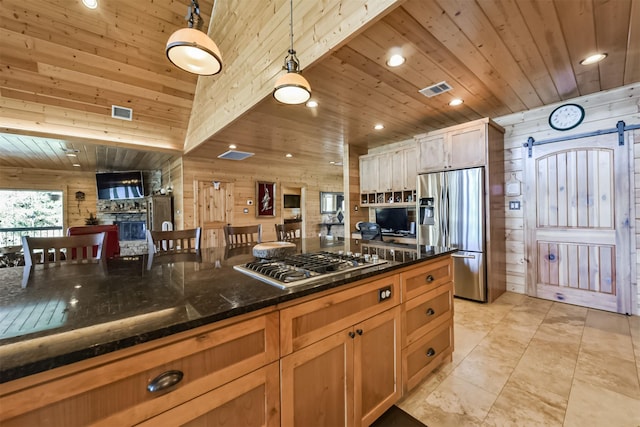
68	182
244	175
602	111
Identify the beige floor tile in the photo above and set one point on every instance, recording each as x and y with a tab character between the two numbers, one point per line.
486	370
509	298
465	340
606	371
590	405
546	366
609	322
560	333
455	402
416	397
617	345
520	407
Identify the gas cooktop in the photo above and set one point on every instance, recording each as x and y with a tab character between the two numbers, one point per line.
301	269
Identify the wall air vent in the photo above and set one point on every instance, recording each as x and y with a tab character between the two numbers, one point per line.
121	113
435	89
235	155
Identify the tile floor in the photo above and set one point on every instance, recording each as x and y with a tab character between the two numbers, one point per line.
524	361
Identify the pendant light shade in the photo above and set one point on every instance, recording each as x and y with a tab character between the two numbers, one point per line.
292	88
192	50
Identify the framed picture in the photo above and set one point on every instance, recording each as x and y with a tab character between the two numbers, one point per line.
265	199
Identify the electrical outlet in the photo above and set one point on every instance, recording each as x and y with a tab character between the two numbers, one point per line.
514	205
384	293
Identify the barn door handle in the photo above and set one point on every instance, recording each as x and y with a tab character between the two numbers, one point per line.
164	381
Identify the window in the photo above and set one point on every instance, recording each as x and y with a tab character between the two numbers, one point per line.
36	213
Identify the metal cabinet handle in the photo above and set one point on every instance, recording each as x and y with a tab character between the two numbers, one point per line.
430	311
463	256
352	334
164	381
359	331
430	278
431	352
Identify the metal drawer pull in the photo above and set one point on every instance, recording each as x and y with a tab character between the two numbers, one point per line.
431	352
164	381
430	278
430	311
463	256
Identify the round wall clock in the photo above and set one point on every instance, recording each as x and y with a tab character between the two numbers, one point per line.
566	117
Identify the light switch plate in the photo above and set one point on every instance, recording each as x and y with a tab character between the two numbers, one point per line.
514	205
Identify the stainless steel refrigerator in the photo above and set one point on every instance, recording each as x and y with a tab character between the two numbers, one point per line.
451	213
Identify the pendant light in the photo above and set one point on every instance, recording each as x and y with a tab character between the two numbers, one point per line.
292	88
192	50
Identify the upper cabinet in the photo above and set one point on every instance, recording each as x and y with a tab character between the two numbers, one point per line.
457	147
388	177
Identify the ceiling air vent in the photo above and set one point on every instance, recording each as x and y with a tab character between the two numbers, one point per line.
235	155
121	113
435	89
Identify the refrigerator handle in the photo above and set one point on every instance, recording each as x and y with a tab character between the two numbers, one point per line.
441	211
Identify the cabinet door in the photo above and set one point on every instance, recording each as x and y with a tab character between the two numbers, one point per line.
377	365
410	169
317	383
250	401
423	356
368	174
467	147
396	166
433	153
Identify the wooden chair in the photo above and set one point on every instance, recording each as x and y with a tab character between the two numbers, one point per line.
288	232
181	245
248	235
58	251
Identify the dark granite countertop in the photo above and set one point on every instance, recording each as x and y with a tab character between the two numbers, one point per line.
69	314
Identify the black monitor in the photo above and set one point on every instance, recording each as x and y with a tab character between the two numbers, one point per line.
393	219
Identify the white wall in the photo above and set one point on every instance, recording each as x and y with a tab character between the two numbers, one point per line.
602	111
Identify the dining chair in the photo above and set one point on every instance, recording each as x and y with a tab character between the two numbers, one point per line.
370	231
288	232
247	235
58	251
180	245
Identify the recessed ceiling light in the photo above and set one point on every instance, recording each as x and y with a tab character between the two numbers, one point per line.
288	155
312	104
76	165
455	102
378	126
91	4
395	60
72	155
593	59
233	146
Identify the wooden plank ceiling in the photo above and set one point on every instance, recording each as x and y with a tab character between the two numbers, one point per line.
500	57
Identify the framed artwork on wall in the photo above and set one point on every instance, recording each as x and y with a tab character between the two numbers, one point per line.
265	199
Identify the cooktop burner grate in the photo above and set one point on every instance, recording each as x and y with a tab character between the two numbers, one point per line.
299	269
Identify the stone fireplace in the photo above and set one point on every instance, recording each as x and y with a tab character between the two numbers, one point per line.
131	230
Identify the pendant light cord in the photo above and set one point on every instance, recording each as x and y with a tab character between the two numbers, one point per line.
291	51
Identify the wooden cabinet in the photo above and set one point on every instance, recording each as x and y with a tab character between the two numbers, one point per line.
113	389
456	147
159	210
388	177
332	375
427	319
250	401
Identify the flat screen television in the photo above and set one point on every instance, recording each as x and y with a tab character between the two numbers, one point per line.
119	185
393	219
291	201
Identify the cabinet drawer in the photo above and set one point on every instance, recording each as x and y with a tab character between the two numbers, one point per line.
306	323
426	312
250	401
427	277
115	392
426	354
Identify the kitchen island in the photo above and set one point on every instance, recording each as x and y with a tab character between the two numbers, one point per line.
130	320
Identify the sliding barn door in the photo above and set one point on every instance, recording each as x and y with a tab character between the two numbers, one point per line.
578	223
